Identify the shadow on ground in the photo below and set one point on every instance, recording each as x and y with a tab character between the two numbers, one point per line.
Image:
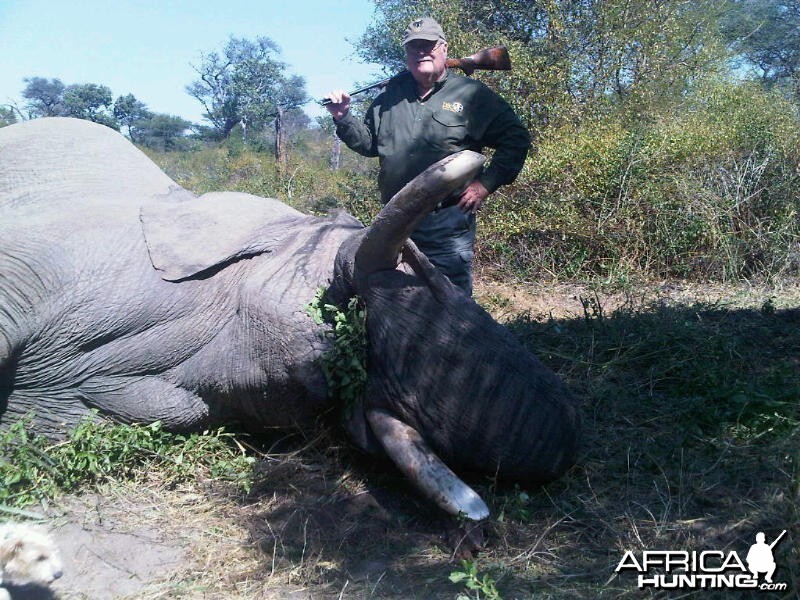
691	437
692	424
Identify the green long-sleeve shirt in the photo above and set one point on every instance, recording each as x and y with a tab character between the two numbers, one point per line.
408	134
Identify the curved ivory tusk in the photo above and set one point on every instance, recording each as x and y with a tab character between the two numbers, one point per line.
427	472
383	239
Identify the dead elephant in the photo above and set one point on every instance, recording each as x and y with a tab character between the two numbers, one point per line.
122	292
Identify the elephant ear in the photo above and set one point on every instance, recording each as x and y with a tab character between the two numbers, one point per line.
187	236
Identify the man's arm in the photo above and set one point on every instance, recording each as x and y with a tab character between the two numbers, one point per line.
511	141
359	136
505	133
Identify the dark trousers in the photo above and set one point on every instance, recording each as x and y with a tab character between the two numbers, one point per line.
447	237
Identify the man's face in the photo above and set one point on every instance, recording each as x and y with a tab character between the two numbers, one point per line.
426	60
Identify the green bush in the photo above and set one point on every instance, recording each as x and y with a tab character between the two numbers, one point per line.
708	189
345	363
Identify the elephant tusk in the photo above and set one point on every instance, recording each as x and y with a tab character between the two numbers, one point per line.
424	469
384	238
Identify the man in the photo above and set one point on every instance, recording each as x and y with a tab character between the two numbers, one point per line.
423	115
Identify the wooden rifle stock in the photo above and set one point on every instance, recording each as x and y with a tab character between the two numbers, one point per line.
492	59
495	58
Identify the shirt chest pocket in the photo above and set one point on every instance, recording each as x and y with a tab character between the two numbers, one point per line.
448	131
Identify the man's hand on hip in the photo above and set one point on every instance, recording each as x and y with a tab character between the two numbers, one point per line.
472	198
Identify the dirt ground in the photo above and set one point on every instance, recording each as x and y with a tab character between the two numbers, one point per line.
311	529
320	525
565	300
114	546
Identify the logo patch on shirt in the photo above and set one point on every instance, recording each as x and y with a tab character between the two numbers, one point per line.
455	107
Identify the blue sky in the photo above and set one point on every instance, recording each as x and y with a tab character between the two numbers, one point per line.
147	47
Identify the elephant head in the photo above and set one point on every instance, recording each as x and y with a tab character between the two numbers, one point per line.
447	386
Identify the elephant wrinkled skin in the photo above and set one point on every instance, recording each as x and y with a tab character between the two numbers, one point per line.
121	291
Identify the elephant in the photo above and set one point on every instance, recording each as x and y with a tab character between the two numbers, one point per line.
123	294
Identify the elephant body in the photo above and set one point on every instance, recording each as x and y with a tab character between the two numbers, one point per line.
88	322
121	291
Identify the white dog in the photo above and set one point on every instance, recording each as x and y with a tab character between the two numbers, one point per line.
27	555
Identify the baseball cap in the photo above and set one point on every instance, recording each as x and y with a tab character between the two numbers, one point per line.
423	29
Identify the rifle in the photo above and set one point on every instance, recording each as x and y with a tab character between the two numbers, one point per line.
492	59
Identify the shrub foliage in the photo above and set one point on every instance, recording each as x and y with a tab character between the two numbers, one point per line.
705	190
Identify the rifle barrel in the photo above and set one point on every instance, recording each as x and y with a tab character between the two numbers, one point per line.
381	83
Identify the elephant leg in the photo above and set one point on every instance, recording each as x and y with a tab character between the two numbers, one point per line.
51	413
145	399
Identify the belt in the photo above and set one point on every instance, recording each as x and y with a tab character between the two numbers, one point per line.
451	200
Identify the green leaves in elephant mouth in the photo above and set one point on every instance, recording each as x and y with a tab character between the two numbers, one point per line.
345	363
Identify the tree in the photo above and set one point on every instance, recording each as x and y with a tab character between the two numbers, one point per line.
163	132
765	34
45	97
245	84
51	98
91	102
131	114
7	116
